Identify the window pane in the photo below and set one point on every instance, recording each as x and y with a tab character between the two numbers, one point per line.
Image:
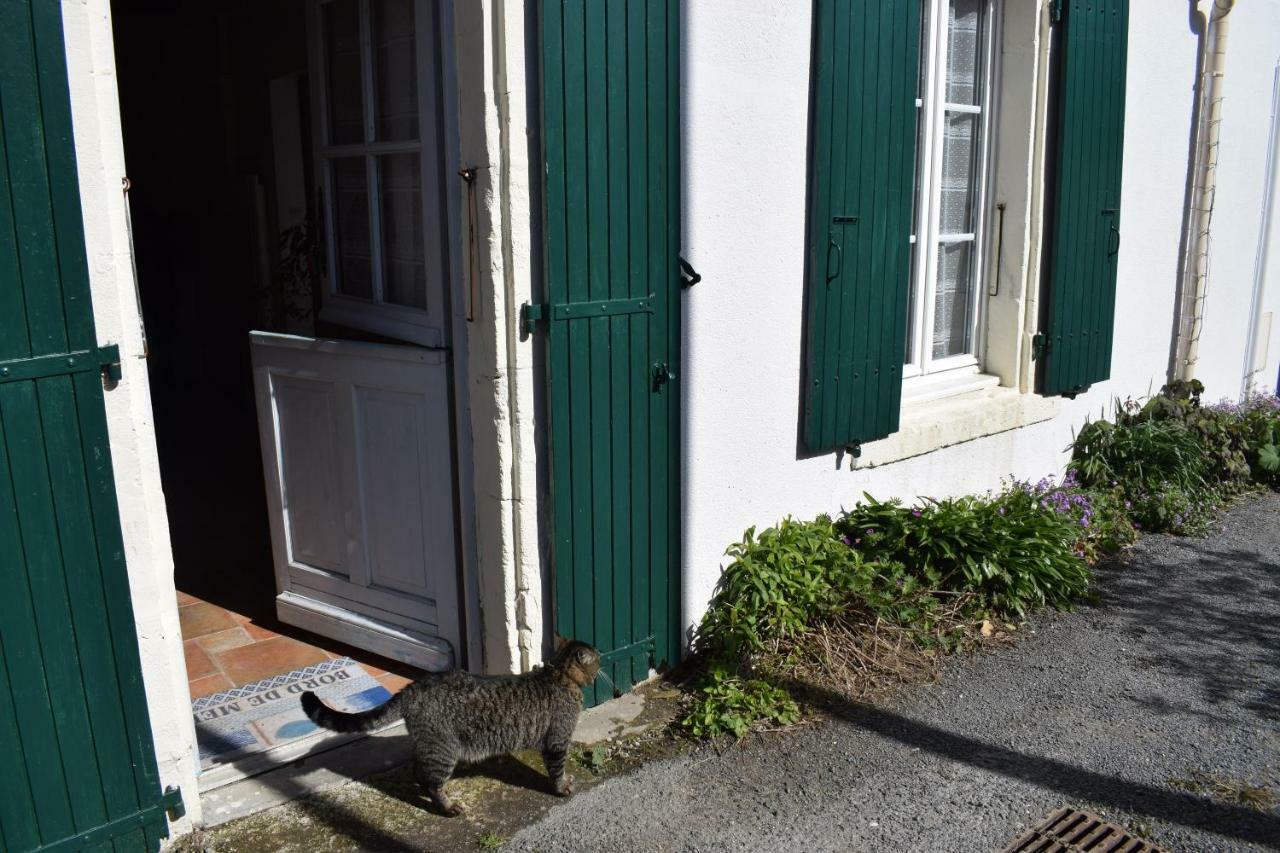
351	224
342	68
395	73
964	56
959	136
952	306
403	260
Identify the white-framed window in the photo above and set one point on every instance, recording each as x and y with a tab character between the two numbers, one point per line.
953	136
376	81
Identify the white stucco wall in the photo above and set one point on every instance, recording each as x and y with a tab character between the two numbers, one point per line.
745	107
100	155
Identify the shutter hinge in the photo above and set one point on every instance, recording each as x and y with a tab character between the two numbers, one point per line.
105	359
1039	345
172	801
109	361
530	314
1055	10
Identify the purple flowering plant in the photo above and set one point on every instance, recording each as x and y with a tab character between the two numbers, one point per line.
1100	516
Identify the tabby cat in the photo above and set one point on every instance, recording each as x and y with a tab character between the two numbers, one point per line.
456	716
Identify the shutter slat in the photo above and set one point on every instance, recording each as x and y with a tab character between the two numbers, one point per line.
854	302
843	103
1079	316
866	55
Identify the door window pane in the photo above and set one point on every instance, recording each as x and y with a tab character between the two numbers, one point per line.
351	226
952	304
395	70
964	54
341	22
403	259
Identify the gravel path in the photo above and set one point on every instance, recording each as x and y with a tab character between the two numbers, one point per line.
1174	672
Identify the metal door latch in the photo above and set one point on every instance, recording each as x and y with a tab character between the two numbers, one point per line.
661	375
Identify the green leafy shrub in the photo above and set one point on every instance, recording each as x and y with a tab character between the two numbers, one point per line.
1013	553
1172	458
1159	465
1218	430
779	586
786	579
1257	420
776	584
728	703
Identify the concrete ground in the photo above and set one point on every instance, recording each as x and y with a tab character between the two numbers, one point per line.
1157	706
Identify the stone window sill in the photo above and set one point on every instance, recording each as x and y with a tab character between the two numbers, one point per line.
930	422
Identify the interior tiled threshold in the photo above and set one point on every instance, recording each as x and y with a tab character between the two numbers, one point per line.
245	679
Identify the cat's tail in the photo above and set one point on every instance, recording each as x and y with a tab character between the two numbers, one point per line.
338	721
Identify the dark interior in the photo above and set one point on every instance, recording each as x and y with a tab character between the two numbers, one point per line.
194	82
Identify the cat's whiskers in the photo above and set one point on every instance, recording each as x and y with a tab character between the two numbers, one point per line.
613	687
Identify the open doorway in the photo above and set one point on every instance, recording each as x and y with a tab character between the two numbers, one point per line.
291	235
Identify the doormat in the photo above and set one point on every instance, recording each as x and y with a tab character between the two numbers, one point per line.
1067	829
268	713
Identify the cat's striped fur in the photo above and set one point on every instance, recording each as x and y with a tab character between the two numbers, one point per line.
454	717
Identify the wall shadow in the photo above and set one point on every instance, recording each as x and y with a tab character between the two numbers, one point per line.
1076	783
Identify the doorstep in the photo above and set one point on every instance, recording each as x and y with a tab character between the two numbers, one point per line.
245	677
299	769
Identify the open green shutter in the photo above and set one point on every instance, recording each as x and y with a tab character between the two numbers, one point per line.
866	60
75	740
1079	317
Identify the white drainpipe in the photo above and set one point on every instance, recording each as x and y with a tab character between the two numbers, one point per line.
1255	357
1196	274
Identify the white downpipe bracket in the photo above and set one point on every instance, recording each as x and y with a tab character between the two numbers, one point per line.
1200	216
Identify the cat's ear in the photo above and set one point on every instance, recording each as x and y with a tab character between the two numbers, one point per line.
559	643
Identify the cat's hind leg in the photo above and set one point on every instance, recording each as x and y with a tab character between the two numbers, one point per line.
432	767
553	756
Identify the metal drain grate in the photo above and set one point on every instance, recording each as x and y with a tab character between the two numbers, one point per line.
1068	829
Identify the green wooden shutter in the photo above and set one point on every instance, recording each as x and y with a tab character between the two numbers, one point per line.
1079	318
611	124
75	741
862	166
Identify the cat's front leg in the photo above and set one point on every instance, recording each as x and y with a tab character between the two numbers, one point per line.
554	757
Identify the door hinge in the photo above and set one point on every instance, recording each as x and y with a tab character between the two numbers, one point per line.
1039	345
1055	10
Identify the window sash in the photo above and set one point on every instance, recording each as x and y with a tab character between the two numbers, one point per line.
422	325
926	243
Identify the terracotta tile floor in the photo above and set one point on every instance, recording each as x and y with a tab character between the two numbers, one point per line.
225	649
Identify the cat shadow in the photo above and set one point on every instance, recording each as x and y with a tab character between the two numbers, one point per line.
509	770
503	769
